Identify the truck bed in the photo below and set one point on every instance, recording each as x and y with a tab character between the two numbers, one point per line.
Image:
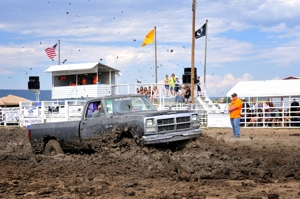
67	134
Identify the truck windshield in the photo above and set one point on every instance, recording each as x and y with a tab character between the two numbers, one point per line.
128	104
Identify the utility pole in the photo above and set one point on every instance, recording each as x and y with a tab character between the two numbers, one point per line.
193	51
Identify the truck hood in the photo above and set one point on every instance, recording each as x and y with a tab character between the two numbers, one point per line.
155	113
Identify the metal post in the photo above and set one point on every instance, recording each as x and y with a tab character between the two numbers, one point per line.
193	50
205	54
58	52
155	56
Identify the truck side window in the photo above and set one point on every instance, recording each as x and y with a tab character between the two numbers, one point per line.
99	111
92	110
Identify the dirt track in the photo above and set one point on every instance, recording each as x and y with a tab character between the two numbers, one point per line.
263	163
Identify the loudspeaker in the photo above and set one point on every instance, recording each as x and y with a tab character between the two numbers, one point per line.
186	79
188	71
34	82
34	78
33	85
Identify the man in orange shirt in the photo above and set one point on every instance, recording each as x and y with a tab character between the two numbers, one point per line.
234	109
83	81
95	79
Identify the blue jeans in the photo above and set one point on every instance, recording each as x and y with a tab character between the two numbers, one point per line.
235	123
178	98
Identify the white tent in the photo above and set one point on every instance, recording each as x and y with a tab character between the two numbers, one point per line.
267	88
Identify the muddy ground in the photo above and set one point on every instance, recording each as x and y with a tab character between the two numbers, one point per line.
263	163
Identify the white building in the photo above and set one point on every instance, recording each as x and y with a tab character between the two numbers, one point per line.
74	81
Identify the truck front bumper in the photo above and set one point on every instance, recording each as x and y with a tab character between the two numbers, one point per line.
171	137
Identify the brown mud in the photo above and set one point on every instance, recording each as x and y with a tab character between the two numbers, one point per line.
263	163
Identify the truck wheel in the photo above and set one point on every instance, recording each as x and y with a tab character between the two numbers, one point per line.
52	148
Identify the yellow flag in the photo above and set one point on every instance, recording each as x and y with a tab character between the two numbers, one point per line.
149	38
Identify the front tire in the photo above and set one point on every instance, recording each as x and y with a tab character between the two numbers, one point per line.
52	148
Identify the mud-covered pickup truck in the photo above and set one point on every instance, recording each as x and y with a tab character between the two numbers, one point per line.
130	114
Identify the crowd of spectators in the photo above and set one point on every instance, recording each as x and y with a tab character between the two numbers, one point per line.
149	92
268	115
183	94
173	89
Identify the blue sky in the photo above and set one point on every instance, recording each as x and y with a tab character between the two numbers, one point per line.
256	40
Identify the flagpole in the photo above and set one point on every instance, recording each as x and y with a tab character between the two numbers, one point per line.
58	52
205	55
155	56
193	50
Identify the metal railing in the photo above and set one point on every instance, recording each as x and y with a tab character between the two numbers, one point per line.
279	114
256	115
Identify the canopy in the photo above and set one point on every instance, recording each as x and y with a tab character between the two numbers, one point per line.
11	100
79	67
267	88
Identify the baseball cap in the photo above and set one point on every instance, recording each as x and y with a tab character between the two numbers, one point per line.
233	95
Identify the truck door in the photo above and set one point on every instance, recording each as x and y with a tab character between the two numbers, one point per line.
91	127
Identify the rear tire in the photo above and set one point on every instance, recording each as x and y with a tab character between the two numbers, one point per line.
52	148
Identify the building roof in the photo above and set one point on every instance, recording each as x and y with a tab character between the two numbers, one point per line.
291	77
10	100
267	88
80	67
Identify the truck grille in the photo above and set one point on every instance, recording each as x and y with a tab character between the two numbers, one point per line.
172	124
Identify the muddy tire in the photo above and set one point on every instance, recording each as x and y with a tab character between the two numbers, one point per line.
52	148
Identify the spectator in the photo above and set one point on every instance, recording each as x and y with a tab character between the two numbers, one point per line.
234	109
83	81
167	85
154	96
172	84
275	116
245	117
72	83
178	95
198	87
287	118
294	108
256	118
142	90
79	80
150	91
187	94
268	118
137	91
146	92
191	106
176	86
95	79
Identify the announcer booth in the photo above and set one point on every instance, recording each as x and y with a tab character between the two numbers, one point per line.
81	81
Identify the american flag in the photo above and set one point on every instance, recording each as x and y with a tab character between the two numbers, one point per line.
51	51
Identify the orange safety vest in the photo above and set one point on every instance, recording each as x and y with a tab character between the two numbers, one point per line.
95	80
83	81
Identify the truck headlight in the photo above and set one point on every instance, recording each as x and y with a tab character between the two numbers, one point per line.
149	122
150	126
194	117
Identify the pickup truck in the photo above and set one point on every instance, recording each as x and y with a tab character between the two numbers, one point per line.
130	114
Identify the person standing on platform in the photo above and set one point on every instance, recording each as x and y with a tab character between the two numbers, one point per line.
172	85
198	87
234	109
167	86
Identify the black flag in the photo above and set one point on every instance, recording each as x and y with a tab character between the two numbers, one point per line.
201	32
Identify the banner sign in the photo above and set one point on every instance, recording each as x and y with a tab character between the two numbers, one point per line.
75	111
30	111
218	120
10	115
